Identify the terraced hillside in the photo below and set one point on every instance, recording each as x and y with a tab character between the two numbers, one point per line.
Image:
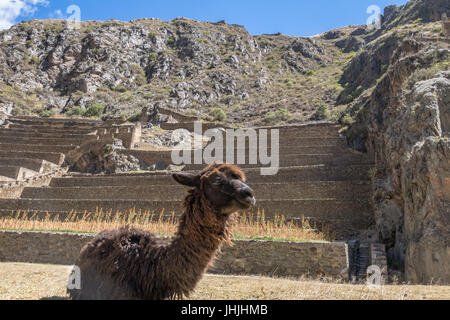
32	151
319	179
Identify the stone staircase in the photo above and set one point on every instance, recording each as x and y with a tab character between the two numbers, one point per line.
319	179
364	256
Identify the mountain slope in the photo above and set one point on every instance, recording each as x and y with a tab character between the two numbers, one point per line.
182	64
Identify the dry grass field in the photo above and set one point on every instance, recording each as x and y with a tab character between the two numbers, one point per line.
21	281
246	225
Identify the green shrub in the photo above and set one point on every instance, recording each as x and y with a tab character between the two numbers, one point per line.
152	57
310	73
120	88
276	116
289	83
35	60
47	113
372	172
139	74
421	75
322	112
347	98
76	111
135	116
273	65
171	41
218	114
437	29
337	87
347	120
95	110
126	97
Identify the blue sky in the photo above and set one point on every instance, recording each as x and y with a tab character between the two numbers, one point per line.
290	17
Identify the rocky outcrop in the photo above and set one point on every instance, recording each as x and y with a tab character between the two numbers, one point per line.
102	157
404	122
350	44
399	92
333	34
367	67
425	10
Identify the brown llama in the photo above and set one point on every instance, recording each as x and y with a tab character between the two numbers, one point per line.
132	264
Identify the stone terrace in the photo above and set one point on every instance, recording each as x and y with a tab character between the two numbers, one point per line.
33	149
319	179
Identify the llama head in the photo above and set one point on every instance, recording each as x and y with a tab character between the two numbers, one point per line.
223	185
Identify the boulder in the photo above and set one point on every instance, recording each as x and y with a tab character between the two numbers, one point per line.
333	34
350	44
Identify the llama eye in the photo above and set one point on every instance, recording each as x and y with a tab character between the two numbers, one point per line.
233	176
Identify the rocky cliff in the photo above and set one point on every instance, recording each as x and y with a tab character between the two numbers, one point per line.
401	115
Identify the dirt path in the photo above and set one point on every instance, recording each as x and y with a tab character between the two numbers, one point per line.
34	281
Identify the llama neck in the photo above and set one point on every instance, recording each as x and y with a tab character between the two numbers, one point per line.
199	237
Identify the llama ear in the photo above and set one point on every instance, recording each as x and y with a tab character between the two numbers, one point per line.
187	179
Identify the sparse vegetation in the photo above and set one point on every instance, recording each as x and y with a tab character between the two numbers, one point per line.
139	74
95	110
289	83
218	114
76	111
120	88
135	116
277	116
428	73
152	57
372	173
322	112
421	75
347	120
47	113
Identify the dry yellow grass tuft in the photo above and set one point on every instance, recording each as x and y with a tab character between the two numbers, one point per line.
247	225
33	281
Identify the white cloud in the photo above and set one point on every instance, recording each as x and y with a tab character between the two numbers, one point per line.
10	10
57	14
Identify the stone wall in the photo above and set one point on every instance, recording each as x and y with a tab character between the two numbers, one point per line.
245	257
177	116
445	25
129	134
13	189
3	117
149	157
284	259
190	126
